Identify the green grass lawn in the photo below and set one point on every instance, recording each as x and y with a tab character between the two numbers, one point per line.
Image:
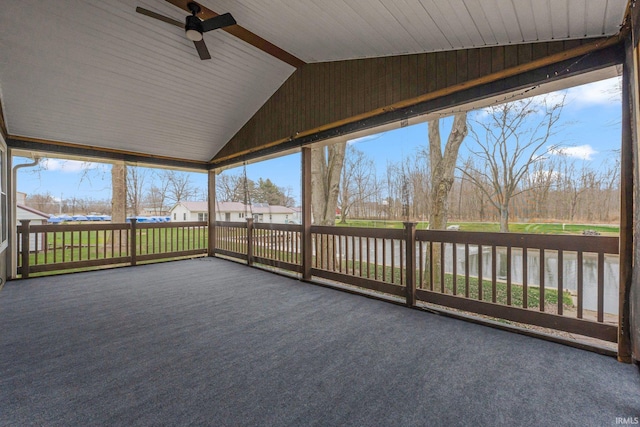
536	228
67	246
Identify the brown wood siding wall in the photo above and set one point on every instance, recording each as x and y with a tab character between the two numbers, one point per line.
322	94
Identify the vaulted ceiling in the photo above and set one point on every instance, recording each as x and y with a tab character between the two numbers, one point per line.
97	74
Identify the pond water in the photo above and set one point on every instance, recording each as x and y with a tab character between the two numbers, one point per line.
569	270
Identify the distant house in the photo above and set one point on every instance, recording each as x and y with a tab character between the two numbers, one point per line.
233	212
189	211
272	214
35	217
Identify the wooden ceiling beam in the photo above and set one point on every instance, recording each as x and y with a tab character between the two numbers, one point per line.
245	35
71	149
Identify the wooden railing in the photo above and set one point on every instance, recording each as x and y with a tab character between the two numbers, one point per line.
567	283
58	247
275	245
528	278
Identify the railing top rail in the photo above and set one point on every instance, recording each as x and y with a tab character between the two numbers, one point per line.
230	224
46	228
597	244
380	233
279	227
171	224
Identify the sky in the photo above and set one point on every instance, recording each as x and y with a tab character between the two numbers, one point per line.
591	131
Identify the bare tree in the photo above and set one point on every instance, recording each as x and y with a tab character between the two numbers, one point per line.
157	195
43	202
539	181
358	181
179	187
135	179
513	137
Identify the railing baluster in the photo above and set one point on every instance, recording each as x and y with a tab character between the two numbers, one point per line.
494	273
454	261
541	281
480	278
375	258
333	251
26	234
431	271
45	247
64	246
466	270
368	258
560	282
509	275
600	287
421	264
393	261
442	258
353	260
36	252
402	266
525	279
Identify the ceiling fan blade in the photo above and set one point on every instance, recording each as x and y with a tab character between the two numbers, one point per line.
219	21
203	52
160	17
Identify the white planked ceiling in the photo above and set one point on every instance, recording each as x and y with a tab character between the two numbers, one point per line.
329	30
96	73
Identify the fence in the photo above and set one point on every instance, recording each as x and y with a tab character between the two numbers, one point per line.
46	248
568	283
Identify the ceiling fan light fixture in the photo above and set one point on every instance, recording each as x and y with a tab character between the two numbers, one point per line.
193	27
194	35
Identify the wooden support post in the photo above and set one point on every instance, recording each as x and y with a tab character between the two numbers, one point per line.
626	204
249	241
211	242
132	241
26	233
307	255
410	264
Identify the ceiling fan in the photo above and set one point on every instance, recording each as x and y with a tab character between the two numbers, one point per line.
194	26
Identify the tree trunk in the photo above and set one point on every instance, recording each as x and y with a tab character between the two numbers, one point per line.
325	186
504	218
118	201
442	169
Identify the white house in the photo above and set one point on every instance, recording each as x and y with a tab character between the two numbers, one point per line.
272	214
189	211
36	218
233	211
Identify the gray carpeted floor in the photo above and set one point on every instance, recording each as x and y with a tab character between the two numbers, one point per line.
211	342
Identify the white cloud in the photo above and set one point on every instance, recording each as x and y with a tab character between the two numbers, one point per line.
603	92
365	138
71	166
582	152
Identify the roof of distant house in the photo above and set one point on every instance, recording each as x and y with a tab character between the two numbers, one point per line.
31	210
275	209
238	207
230	207
194	206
